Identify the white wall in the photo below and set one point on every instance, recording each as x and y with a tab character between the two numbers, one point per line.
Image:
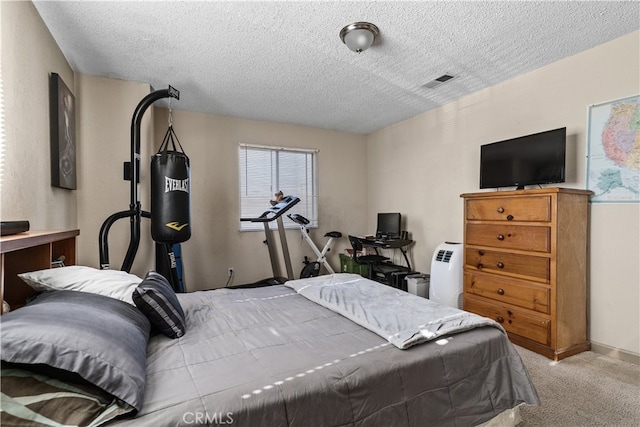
104	109
211	142
104	120
437	158
29	56
104	113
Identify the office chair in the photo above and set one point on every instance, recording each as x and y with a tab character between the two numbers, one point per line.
369	260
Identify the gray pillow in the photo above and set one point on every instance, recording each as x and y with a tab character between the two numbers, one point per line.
102	339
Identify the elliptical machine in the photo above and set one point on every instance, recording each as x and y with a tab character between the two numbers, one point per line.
312	268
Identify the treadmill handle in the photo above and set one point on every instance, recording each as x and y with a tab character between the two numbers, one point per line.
276	210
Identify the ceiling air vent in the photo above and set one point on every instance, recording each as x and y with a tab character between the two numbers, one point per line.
438	81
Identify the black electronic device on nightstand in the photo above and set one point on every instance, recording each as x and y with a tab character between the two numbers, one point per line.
13	227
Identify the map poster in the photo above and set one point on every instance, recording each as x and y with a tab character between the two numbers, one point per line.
613	163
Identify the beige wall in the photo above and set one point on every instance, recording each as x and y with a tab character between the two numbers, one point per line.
104	108
29	56
211	142
104	114
437	159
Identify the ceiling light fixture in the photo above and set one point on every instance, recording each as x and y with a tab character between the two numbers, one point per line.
359	36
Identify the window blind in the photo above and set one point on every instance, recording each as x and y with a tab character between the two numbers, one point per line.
265	170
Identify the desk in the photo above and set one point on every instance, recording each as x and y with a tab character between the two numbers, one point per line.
389	244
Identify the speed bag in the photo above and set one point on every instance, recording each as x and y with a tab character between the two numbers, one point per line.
170	194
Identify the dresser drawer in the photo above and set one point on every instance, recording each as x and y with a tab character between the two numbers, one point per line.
514	322
526	267
508	236
508	291
532	208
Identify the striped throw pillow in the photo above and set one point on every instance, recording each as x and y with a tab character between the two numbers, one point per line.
157	300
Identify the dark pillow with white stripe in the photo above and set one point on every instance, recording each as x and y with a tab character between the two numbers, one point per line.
157	300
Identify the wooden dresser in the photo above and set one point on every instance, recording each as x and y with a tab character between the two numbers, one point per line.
31	251
525	265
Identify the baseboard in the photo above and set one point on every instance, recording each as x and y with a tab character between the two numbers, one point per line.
616	353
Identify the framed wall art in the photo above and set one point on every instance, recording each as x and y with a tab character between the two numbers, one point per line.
63	134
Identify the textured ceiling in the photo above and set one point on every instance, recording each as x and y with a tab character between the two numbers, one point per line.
284	61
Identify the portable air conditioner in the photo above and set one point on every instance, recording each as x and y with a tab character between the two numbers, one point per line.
446	275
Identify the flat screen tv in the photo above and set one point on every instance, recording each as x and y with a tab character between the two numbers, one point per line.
388	225
528	160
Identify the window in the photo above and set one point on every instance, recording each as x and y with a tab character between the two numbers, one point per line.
266	170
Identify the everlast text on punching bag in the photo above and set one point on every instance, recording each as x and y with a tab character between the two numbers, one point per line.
170	192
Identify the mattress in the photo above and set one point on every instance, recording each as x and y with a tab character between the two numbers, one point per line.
272	357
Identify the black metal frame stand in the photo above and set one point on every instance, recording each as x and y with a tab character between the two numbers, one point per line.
135	212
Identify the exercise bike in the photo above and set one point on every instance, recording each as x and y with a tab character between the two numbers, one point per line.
312	269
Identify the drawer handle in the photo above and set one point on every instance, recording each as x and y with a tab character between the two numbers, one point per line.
479	266
500	291
500	236
500	264
509	217
500	210
500	319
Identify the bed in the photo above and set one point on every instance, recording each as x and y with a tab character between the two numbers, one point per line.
336	350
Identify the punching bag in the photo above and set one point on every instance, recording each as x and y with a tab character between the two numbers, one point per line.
170	192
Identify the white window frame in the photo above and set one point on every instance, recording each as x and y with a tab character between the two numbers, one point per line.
254	199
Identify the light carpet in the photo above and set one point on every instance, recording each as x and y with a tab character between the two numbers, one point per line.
588	389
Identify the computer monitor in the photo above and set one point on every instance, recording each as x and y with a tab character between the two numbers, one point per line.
388	225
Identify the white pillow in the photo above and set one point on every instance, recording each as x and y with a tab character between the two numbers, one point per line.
111	283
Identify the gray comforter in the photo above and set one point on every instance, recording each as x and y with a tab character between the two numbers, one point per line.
271	357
